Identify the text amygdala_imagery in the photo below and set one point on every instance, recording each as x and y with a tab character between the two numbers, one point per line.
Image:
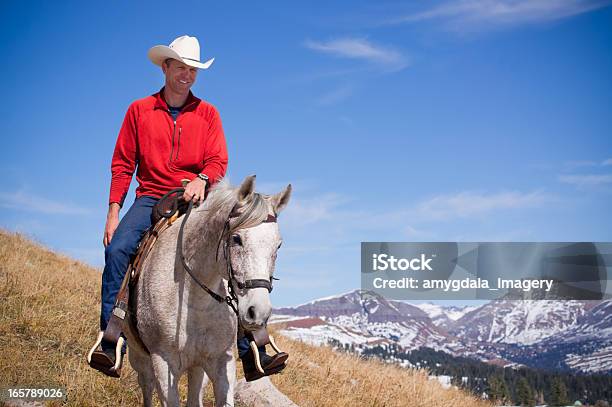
452	270
466	283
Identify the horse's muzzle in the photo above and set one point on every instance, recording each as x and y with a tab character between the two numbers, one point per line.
255	314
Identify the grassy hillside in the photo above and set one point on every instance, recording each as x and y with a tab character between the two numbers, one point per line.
49	310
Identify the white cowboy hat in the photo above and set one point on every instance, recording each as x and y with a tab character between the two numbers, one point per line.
185	49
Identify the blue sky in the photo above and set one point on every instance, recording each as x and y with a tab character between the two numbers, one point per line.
468	120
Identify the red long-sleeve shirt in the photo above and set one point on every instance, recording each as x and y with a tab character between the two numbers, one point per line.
166	151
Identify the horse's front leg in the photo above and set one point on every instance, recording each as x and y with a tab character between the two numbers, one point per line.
166	380
197	380
222	372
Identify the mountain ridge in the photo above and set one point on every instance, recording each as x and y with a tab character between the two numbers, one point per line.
499	331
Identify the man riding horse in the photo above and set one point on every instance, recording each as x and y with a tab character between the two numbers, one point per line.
167	137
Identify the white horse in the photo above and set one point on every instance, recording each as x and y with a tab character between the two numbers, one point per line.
182	326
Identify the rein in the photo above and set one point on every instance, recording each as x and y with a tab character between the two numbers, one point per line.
232	298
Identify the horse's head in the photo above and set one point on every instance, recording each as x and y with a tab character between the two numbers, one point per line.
252	243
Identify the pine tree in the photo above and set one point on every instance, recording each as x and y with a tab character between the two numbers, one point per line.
558	393
524	393
498	390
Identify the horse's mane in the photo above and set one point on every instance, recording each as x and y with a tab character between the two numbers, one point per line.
246	213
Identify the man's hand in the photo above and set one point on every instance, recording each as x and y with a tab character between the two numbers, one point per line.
194	191
112	221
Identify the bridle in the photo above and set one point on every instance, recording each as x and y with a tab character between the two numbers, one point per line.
231	299
248	284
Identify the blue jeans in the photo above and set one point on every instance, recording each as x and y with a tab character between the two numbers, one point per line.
118	253
117	256
243	346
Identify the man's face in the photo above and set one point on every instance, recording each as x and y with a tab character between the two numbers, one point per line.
179	76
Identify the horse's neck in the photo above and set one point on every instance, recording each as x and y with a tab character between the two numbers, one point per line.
201	242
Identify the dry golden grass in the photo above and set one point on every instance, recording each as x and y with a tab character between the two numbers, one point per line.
319	376
49	307
48	319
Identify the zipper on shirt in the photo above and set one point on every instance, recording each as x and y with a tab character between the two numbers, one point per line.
172	148
178	144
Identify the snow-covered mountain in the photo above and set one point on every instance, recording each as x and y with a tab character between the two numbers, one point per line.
545	334
521	322
362	318
444	316
589	341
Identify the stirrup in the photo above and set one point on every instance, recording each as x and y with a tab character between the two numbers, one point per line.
255	352
100	361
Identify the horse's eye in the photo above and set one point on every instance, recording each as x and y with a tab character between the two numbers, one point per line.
237	240
279	245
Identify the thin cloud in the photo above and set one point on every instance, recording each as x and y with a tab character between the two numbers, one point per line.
419	234
332	210
347	120
335	96
572	165
360	48
468	204
20	200
586	180
302	212
478	14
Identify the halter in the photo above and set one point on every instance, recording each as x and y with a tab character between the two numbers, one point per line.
247	285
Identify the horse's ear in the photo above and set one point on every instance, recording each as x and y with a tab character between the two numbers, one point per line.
246	188
280	200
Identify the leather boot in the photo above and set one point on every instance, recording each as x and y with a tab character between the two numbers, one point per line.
104	360
270	364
